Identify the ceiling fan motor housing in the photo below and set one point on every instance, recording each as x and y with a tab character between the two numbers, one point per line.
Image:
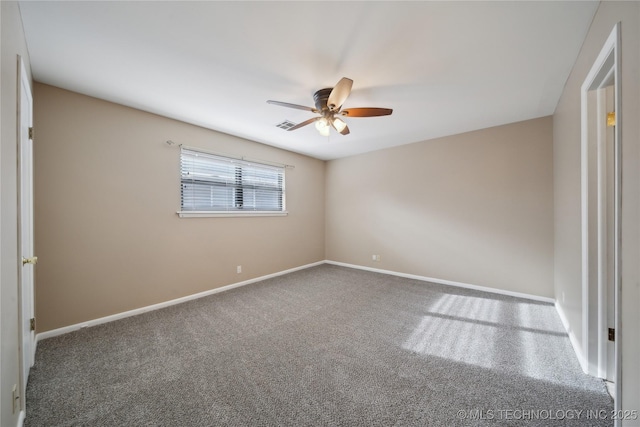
320	98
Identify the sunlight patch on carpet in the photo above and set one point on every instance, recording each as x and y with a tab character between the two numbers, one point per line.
512	336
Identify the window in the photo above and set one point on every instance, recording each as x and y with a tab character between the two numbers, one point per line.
213	185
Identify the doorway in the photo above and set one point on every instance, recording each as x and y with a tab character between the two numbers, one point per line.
601	210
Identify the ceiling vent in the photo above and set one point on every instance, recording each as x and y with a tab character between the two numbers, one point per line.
286	125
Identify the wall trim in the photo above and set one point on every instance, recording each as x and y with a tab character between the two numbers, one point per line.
141	310
446	282
577	348
21	418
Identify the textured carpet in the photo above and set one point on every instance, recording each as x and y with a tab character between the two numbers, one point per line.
326	346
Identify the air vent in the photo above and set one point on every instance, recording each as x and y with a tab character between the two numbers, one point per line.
286	125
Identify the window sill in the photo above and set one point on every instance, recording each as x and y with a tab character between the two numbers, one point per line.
208	214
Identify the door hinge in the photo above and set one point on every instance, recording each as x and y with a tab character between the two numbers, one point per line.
611	119
31	133
612	334
32	323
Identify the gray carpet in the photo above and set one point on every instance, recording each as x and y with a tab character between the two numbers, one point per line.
326	346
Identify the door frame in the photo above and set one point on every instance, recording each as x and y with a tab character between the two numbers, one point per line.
605	67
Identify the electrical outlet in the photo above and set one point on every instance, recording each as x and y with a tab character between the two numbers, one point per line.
377	257
239	269
373	257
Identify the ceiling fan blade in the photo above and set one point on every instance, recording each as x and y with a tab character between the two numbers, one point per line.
286	104
339	94
366	112
306	122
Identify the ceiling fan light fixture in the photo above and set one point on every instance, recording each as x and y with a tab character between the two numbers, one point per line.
324	131
322	124
339	124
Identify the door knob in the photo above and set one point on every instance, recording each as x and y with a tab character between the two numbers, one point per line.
32	260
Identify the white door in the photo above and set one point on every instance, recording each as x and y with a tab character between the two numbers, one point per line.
25	218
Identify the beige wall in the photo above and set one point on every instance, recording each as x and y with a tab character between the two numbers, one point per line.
567	188
13	44
107	234
474	208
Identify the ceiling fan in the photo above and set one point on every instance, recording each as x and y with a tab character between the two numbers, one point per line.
328	103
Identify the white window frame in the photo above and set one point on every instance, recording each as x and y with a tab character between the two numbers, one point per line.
232	211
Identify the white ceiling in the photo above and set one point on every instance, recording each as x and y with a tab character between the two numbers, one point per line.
444	67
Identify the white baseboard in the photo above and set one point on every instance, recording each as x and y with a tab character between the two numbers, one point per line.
21	418
577	348
572	337
446	282
135	312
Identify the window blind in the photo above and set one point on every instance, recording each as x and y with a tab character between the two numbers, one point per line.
215	183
